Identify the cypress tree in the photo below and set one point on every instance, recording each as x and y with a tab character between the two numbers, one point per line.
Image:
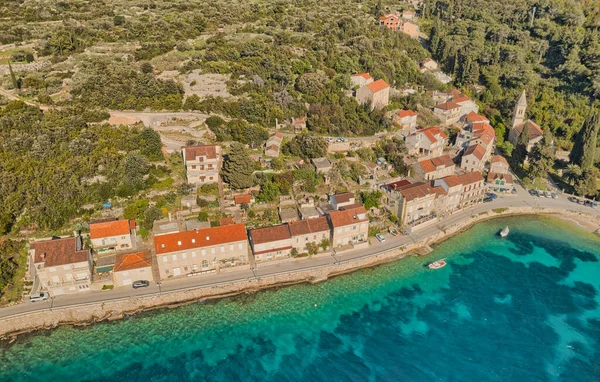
12	76
584	148
520	152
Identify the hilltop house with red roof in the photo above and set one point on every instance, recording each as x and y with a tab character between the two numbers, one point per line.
349	226
202	163
434	168
519	123
500	182
60	266
412	203
130	267
376	94
393	22
474	158
428	142
407	119
344	199
298	124
273	145
361	79
270	243
461	190
407	14
201	250
112	235
309	231
430	64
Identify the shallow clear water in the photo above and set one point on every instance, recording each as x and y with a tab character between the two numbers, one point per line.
523	308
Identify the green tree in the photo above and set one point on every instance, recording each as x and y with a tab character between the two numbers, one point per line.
237	167
586	184
584	148
520	152
312	248
150	144
542	157
268	192
306	145
572	173
325	243
371	199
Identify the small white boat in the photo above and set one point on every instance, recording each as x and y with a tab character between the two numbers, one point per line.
504	232
437	264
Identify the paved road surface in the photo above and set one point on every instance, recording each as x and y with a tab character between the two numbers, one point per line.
522	199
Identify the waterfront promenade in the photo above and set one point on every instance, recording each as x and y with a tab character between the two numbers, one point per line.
522	202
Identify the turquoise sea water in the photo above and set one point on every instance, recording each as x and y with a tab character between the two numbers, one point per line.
524	308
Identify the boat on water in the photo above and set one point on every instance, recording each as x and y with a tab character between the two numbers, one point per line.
504	232
437	264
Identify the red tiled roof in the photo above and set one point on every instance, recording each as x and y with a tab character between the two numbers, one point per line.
239	199
492	176
203	237
129	261
109	229
533	131
428	59
451	180
431	132
398	184
277	135
58	252
470	177
461	98
430	165
476	118
366	76
270	234
420	190
343	197
448	106
347	217
455	93
304	227
498	159
209	151
476	150
378	86
406	113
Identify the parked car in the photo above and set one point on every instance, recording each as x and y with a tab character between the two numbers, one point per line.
514	191
392	231
580	201
533	192
572	199
42	296
491	195
380	237
141	284
487	200
547	194
554	195
594	204
587	203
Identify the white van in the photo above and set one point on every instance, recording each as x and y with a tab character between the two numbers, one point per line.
42	296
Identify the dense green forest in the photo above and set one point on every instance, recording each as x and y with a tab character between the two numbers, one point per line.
53	163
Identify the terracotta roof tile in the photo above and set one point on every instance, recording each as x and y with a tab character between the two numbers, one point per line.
226	221
499	159
304	227
534	130
58	252
203	237
348	216
209	151
239	199
492	177
366	76
269	234
476	118
109	229
448	106
470	177
344	197
430	165
420	190
406	113
397	185
378	86
478	151
129	261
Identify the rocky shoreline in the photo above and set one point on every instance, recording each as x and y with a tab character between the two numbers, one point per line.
91	313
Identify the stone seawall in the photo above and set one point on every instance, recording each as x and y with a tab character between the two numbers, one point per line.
88	313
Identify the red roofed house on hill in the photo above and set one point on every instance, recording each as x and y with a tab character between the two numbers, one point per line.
202	163
270	243
112	235
407	119
60	266
130	267
376	94
309	231
434	168
361	79
474	158
349	226
500	182
462	190
344	199
519	123
448	113
273	145
201	250
393	22
428	142
499	165
412	203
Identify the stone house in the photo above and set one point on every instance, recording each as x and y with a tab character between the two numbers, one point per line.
201	250
361	79
112	235
407	119
448	113
428	142
60	266
131	267
430	64
500	181
407	14
273	145
309	231
416	202
202	163
434	168
350	226
270	243
462	190
298	124
473	158
344	199
376	94
499	165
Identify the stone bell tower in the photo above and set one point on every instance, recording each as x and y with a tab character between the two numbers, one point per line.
519	112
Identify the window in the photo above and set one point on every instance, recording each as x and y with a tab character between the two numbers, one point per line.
203	252
204	264
240	246
222	249
179	243
193	241
231	247
184	256
165	259
174	257
213	251
162	245
194	254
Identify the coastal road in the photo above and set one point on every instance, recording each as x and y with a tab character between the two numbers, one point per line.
522	199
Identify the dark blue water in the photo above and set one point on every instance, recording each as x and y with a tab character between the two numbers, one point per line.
524	308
